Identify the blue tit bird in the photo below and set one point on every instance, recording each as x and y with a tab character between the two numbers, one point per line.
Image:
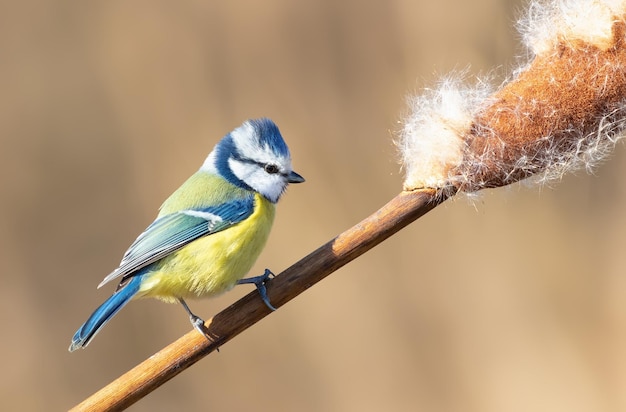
209	232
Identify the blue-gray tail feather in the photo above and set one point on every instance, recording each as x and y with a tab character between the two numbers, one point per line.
104	313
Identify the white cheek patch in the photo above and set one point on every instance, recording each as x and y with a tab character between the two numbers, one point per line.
243	170
269	185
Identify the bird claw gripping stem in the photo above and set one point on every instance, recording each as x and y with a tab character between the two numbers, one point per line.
259	282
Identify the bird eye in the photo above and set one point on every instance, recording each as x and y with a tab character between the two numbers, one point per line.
271	169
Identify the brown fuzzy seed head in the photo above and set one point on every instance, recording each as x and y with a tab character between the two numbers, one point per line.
561	111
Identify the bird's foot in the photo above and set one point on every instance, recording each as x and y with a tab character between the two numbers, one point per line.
196	321
259	282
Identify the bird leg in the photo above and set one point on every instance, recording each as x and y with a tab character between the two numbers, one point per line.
259	282
196	321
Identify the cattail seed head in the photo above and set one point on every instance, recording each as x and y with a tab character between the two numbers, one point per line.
565	110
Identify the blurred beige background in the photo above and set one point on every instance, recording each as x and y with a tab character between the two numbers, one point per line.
513	303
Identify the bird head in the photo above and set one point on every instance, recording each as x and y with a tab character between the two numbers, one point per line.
254	156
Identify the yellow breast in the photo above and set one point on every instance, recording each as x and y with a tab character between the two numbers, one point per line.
212	264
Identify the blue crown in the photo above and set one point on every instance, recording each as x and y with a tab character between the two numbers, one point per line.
269	135
265	134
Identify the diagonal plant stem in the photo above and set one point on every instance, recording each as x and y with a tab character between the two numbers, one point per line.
399	212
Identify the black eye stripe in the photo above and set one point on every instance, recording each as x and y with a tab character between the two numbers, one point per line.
242	159
273	167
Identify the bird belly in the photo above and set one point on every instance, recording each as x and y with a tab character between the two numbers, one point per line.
212	264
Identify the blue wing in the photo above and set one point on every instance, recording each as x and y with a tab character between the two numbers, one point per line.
171	232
